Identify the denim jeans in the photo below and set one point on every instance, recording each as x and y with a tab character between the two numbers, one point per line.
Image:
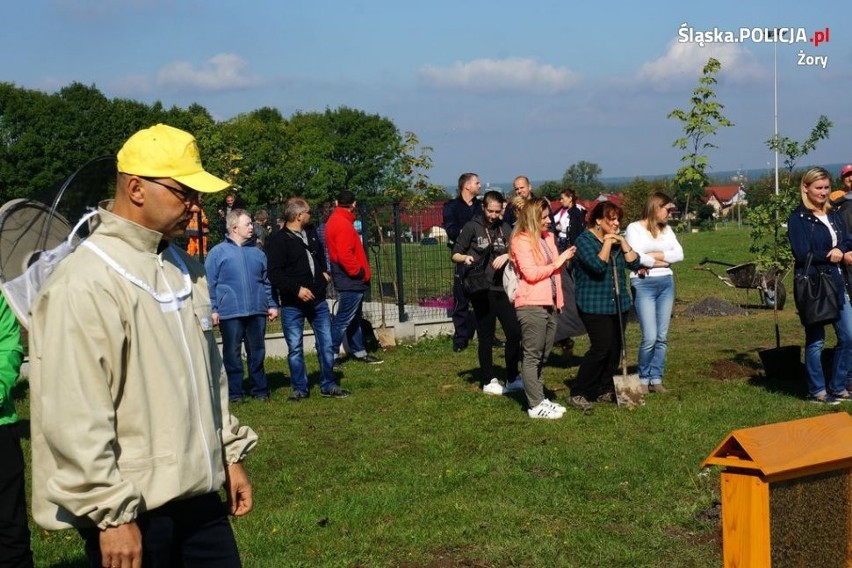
653	299
815	341
293	325
252	330
347	321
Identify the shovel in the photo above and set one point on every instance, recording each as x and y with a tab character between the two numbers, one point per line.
385	335
628	391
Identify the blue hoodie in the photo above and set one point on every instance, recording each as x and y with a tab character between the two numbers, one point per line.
237	279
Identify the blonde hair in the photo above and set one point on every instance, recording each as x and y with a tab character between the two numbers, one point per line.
528	214
811	176
656	201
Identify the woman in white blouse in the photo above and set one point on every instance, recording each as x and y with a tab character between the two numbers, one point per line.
653	286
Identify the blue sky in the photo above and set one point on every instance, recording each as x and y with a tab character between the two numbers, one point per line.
499	88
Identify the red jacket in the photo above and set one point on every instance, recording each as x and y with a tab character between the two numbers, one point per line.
350	269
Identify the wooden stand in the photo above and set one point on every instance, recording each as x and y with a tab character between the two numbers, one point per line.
787	493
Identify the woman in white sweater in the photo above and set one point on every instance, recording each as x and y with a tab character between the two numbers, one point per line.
653	286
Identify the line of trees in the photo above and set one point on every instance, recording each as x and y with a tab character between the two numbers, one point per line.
266	156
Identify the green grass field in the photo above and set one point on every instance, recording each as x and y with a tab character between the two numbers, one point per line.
419	469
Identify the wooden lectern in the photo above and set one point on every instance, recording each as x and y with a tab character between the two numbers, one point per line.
787	494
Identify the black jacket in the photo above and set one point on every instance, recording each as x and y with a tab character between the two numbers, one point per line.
289	269
456	214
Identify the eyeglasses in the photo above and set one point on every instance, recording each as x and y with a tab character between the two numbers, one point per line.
188	196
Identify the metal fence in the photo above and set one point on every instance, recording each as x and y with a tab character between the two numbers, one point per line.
412	274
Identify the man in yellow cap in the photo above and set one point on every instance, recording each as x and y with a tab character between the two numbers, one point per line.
132	438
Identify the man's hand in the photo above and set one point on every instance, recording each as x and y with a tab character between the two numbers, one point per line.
305	294
238	487
215	317
272	313
121	546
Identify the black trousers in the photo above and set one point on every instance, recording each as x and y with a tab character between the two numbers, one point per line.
594	376
489	306
190	533
14	533
464	322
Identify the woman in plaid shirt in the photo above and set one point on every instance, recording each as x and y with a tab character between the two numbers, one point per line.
597	248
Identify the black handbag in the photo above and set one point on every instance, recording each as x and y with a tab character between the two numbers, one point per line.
478	276
816	296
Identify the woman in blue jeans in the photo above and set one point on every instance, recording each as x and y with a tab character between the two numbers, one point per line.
814	228
653	286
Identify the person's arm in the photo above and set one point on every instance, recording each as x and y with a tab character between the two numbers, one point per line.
451	222
588	248
271	303
80	378
526	264
11	352
461	248
346	243
211	266
635	235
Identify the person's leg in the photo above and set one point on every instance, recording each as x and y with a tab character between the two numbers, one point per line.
843	351
256	354
613	358
206	537
320	320
232	331
14	533
533	321
293	326
644	301
485	325
599	328
664	305
354	334
505	312
814	342
463	318
347	306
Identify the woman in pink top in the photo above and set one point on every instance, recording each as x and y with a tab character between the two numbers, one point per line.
538	297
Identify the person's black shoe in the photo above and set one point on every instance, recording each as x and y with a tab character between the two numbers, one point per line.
262	398
238	400
338	363
459	347
335	392
370	360
498	344
297	396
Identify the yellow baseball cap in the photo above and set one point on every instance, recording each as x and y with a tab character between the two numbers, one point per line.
164	151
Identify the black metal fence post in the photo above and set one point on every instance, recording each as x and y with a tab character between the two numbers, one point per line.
397	239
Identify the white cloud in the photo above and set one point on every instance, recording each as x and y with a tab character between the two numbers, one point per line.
222	72
514	74
683	63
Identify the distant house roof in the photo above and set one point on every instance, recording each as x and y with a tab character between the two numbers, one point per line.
421	220
724	194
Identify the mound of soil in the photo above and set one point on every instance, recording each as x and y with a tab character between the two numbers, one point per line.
725	370
713	307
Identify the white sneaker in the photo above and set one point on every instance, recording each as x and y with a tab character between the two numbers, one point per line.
494	387
553	405
544	411
516	385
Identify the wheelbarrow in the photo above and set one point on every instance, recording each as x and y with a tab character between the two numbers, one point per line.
747	276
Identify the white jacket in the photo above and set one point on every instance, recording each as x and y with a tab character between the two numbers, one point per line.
129	409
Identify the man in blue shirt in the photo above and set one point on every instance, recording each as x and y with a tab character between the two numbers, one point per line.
241	300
